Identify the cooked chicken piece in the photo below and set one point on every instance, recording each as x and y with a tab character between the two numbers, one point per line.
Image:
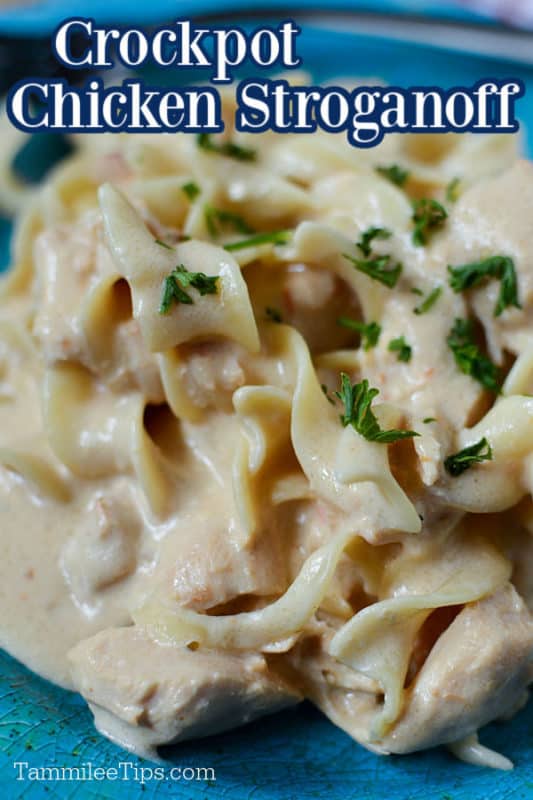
478	668
211	372
349	698
144	694
132	367
65	263
312	300
209	570
101	335
103	549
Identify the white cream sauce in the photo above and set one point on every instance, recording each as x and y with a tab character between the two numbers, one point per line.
82	548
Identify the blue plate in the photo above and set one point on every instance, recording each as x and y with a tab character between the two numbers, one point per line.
297	754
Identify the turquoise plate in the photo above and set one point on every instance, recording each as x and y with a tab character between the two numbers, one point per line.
296	754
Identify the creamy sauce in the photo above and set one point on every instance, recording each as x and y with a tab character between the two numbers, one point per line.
190	537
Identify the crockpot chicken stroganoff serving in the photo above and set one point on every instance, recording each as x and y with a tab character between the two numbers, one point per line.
267	434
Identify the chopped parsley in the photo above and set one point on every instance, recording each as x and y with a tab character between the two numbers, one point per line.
326	394
394	173
365	242
191	189
427	420
469	358
273	314
370	331
400	346
230	149
216	218
453	190
163	244
417	291
276	237
428	217
358	413
180	279
429	302
457	463
470	275
379	268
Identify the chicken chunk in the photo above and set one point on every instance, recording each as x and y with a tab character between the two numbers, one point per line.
102	551
145	694
211	372
81	318
478	669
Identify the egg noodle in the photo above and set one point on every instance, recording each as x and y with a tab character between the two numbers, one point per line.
267	433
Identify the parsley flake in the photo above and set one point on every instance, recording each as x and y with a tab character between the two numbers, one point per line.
428	217
400	346
216	218
379	268
275	237
370	331
429	302
325	391
453	190
180	279
469	358
191	189
394	173
163	244
467	276
427	420
358	413
230	149
459	462
365	242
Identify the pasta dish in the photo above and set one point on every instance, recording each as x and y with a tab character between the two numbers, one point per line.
267	433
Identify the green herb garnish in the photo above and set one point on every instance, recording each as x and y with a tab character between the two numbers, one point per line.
467	276
230	149
276	237
365	242
273	314
191	189
163	244
180	279
394	173
358	413
457	463
379	268
452	191
429	302
428	217
326	394
400	346
370	331
216	218
468	356
427	420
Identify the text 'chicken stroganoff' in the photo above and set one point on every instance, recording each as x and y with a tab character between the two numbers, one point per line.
267	434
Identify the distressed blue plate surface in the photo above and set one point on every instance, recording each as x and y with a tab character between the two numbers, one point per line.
297	754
